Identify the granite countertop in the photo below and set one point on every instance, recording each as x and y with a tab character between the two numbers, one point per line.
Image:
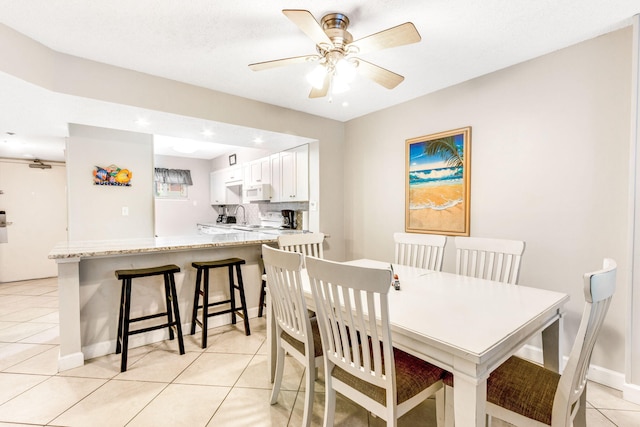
97	248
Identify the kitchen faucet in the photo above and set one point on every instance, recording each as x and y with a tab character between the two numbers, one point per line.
244	214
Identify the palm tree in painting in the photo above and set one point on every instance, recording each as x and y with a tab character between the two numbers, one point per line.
445	148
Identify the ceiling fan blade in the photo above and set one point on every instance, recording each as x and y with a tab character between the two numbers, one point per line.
259	66
397	36
380	75
308	24
319	93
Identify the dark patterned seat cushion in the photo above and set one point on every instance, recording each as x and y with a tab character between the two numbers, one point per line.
299	345
413	375
524	387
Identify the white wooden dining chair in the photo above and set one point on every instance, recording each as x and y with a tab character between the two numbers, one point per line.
528	395
360	361
492	259
304	243
308	244
420	250
295	332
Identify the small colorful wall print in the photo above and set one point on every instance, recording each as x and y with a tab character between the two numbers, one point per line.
112	175
437	183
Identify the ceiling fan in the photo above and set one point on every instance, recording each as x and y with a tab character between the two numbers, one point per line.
337	63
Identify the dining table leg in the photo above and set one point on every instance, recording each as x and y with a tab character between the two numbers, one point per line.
551	346
470	397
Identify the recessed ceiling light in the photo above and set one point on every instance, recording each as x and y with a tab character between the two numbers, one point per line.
258	140
207	132
185	148
142	122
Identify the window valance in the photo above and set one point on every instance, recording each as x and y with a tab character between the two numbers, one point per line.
173	176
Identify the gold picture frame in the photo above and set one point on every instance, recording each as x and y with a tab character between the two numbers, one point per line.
437	193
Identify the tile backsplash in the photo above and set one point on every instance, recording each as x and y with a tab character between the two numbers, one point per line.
253	210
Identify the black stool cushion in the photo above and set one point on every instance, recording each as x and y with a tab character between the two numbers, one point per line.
144	272
217	264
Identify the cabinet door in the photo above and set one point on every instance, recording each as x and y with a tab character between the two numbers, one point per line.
276	191
234	174
217	187
288	176
294	167
302	173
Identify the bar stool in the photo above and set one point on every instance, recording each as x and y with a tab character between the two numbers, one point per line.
202	288
171	299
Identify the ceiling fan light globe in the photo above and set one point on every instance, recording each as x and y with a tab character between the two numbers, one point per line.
316	76
346	70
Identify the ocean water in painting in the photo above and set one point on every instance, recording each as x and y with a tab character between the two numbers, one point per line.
435	178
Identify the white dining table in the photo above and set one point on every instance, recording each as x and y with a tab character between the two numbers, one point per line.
465	325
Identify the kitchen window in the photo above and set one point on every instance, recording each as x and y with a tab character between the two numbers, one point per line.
172	183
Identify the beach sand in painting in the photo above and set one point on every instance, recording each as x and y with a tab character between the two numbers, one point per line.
447	220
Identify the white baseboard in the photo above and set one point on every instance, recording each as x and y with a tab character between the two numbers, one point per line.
631	392
70	361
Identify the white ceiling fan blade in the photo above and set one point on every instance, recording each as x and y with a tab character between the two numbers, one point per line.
397	36
380	75
308	24
259	66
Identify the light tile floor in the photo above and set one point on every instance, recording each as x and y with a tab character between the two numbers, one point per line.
224	385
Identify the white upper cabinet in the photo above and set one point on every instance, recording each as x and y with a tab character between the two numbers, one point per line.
274	161
225	186
257	172
294	175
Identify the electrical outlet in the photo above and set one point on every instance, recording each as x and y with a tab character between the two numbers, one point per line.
125	211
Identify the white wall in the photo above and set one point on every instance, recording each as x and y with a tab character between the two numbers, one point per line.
95	211
176	217
549	156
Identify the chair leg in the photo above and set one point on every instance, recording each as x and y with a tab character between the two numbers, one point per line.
196	299
440	405
277	382
167	300
449	415
120	318
262	295
232	295
176	312
243	301
205	308
329	402
125	326
308	394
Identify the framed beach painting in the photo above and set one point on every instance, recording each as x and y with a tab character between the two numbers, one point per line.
437	183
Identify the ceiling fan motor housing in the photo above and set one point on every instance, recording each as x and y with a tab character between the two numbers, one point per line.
335	27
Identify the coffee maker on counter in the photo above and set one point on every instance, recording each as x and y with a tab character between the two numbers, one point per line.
288	218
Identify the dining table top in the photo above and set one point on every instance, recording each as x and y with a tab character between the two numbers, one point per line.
469	316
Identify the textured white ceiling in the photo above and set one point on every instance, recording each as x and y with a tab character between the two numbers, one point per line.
210	43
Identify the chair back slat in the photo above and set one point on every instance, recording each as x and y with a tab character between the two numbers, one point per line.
308	244
492	259
599	288
286	292
348	301
419	250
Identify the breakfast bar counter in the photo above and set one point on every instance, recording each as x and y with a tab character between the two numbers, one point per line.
89	292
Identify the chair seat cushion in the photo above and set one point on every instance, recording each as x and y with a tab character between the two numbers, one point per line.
523	387
299	345
413	375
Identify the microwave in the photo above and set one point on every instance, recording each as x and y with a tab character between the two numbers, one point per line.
257	192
